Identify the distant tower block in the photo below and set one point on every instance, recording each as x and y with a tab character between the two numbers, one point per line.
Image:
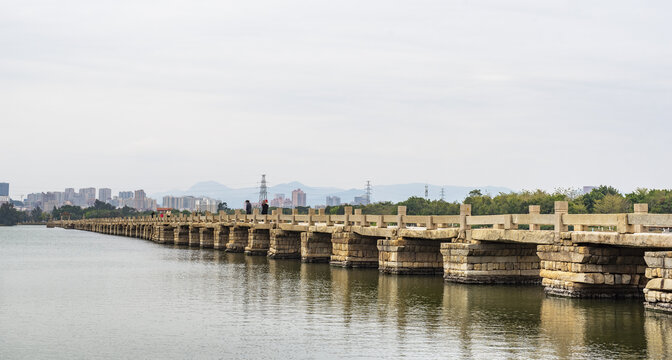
263	190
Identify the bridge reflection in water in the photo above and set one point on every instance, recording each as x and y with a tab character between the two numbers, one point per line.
512	321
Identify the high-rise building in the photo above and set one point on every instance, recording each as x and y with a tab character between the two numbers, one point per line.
87	196
104	194
333	201
298	198
359	200
125	194
139	199
49	201
70	195
278	200
4	189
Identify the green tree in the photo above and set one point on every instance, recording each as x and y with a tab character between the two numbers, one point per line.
9	215
611	204
595	195
36	214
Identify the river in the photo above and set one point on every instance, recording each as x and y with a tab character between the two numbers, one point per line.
68	294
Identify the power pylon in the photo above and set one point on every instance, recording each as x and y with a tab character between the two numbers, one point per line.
368	192
427	191
443	195
263	190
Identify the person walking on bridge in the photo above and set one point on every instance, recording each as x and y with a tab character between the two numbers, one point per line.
248	207
264	207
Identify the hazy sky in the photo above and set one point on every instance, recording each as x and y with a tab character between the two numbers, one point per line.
162	94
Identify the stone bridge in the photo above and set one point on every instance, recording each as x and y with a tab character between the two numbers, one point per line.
574	255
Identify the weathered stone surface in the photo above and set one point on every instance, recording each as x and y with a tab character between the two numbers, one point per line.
315	247
284	244
518	236
166	234
221	237
258	242
410	256
238	238
659	284
565	288
181	235
207	237
658	291
652	273
194	236
486	262
437	234
641	240
591	271
353	250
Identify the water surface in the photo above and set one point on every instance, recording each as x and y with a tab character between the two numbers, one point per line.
68	294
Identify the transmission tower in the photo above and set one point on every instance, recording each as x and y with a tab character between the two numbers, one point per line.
427	191
443	195
263	190
368	192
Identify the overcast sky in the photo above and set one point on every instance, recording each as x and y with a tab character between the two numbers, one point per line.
162	94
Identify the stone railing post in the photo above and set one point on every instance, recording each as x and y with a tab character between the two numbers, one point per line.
401	212
561	208
641	209
346	215
311	213
381	222
322	213
509	224
534	210
295	212
358	213
255	215
429	223
328	221
465	211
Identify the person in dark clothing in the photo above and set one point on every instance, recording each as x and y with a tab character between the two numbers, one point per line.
248	207
264	207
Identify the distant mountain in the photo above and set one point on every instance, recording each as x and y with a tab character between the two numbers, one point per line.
317	195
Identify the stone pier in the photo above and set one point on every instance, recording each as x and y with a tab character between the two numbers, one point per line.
166	234
658	291
258	242
238	238
284	244
589	271
194	235
181	234
315	247
207	237
221	234
480	262
354	250
410	256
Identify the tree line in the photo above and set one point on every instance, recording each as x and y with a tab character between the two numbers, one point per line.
601	200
